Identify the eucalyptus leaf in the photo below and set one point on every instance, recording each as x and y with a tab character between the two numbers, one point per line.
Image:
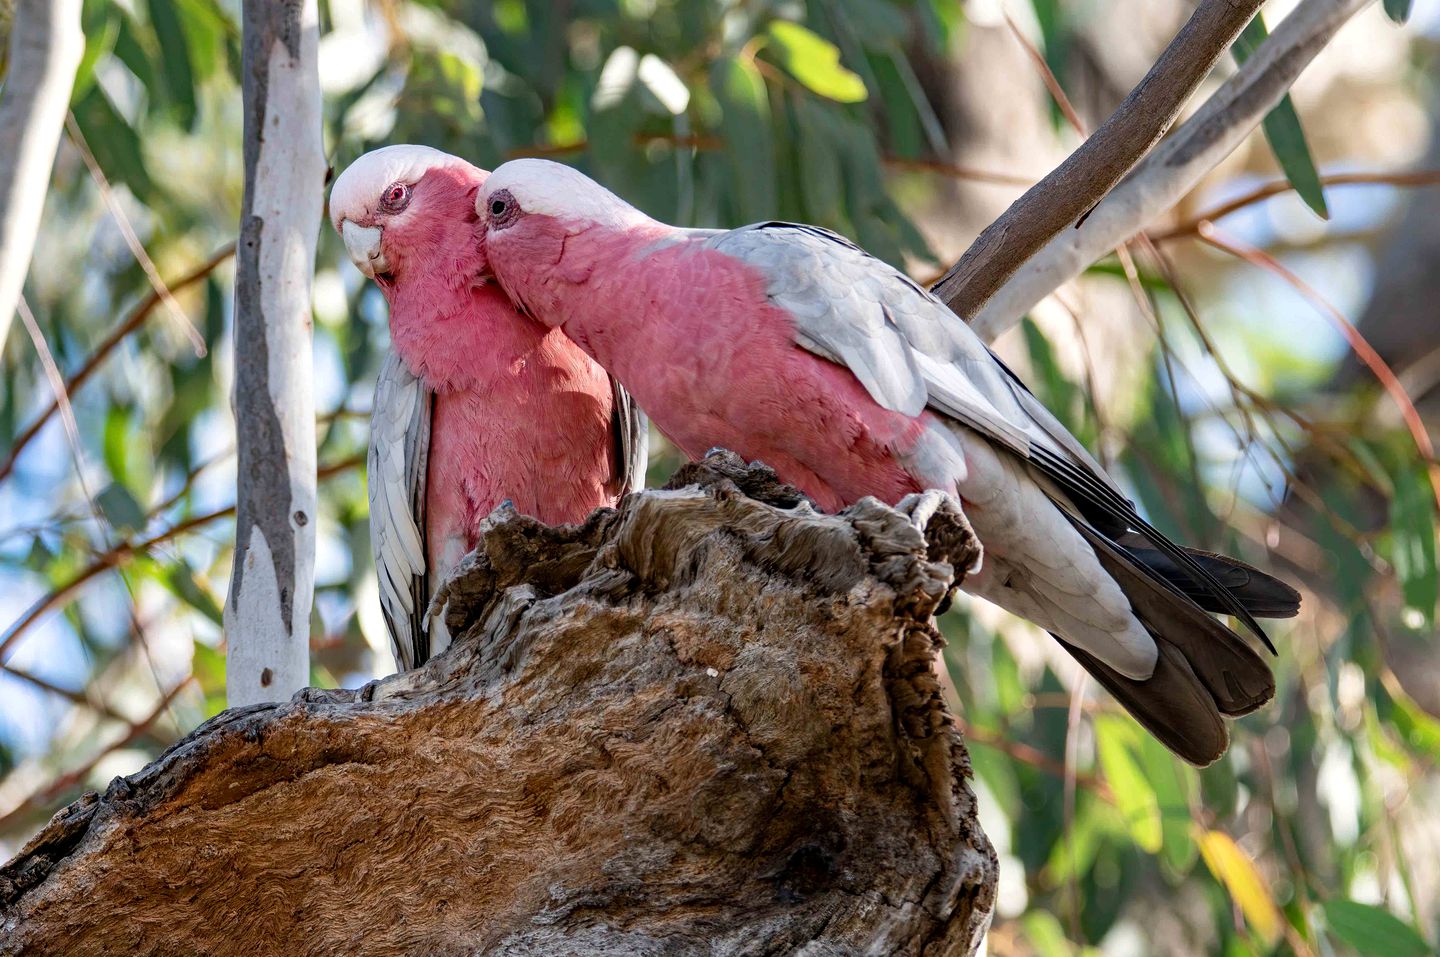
1283	130
1373	932
815	62
1397	10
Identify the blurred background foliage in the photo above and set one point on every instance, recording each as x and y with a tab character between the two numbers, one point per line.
1223	394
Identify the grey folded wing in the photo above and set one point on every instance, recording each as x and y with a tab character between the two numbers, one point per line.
397	463
911	352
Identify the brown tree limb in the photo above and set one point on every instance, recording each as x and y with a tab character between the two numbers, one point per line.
1082	180
704	723
1173	168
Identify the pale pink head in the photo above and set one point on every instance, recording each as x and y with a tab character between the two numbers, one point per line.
529	208
407	213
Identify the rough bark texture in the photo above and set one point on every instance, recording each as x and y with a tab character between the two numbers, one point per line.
1058	201
45	49
704	723
267	613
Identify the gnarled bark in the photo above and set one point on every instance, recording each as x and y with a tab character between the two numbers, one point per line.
704	723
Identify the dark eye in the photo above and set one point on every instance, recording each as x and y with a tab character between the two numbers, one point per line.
395	198
503	209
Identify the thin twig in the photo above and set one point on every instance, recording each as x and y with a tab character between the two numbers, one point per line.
1358	343
62	400
1165	176
1083	178
129	324
137	248
80	698
1047	75
75	776
125	551
1191	227
1032	757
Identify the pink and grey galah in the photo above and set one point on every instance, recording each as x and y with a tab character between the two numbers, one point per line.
791	345
476	405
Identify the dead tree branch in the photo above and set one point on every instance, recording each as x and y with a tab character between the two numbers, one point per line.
1058	201
45	49
703	723
1174	168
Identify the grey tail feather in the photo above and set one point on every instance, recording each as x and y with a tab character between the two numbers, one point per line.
1263	595
1171	704
1204	670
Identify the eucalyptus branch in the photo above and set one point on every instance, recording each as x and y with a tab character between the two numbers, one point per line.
1083	179
1172	170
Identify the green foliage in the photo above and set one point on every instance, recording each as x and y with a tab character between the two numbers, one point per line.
1397	10
814	62
1283	130
715	114
1372	931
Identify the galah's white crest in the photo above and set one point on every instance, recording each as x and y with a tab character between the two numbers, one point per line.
791	345
477	405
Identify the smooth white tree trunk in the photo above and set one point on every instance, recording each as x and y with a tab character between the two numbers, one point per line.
267	613
1175	166
45	49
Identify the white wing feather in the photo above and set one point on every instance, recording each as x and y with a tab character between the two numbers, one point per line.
397	464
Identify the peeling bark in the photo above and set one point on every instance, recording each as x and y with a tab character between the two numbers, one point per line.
267	613
704	723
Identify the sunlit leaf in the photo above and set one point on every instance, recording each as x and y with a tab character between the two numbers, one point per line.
815	62
1372	931
1115	739
1283	130
208	667
1046	936
1233	868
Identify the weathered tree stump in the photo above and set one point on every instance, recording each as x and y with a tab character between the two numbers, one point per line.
703	723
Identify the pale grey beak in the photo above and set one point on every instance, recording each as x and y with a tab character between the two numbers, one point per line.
363	244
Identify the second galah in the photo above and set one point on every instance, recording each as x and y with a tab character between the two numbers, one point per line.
791	345
477	405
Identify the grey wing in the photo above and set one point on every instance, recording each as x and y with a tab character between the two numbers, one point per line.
632	441
855	310
910	351
398	463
